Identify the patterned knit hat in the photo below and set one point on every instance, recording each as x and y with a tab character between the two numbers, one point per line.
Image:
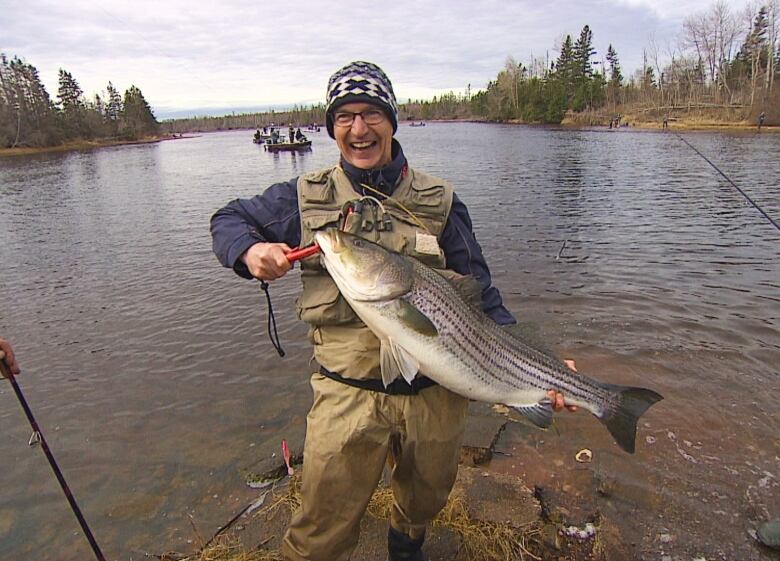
360	82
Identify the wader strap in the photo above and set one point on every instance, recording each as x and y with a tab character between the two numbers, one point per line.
399	386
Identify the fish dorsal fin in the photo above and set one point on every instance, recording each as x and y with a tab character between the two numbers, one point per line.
540	414
396	361
414	319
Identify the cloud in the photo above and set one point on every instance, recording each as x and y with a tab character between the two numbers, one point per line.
245	53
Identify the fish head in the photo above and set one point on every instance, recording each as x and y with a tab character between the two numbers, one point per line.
364	271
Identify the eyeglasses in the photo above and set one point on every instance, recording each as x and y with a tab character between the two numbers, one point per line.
370	117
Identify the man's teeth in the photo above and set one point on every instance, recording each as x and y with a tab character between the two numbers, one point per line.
361	144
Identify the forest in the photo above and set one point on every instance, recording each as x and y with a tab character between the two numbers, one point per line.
721	61
30	118
724	64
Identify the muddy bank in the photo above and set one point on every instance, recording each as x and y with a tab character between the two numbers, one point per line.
559	510
490	516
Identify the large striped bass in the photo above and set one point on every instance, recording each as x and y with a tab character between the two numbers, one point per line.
424	325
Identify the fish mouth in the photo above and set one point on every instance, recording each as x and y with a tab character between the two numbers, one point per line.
328	240
331	244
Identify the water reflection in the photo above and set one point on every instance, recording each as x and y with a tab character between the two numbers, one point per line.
149	367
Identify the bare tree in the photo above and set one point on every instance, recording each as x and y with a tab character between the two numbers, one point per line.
773	30
653	55
713	35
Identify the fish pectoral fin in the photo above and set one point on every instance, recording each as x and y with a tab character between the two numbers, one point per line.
407	364
414	319
540	414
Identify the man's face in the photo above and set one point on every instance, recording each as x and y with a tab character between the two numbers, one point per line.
364	145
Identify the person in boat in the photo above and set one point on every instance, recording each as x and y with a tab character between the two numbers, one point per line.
299	136
291	133
355	423
274	136
265	130
8	357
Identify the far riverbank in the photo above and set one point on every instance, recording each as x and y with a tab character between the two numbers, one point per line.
573	121
86	145
711	119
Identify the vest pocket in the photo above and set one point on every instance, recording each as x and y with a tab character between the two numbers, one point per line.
428	196
319	220
321	303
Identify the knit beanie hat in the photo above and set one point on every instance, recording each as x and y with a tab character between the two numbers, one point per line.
360	82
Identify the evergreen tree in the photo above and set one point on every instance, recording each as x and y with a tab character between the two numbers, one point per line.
752	54
564	66
583	51
27	115
557	102
137	115
615	77
565	71
113	103
69	93
113	108
72	106
648	78
584	87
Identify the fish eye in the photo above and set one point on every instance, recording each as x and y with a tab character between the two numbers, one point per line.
358	242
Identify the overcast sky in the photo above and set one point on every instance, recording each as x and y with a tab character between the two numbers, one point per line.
197	54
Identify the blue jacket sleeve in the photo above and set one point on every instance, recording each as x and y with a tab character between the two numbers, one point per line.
464	256
270	217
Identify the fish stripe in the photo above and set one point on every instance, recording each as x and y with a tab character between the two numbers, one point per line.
492	356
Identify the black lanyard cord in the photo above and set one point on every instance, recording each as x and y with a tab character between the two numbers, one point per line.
273	334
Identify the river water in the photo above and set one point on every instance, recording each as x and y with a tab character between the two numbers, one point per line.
151	374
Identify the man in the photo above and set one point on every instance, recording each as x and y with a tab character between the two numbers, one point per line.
8	357
355	423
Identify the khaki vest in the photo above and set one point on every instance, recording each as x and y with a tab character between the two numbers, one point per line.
342	342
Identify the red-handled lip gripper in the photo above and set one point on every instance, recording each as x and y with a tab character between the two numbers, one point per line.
301	253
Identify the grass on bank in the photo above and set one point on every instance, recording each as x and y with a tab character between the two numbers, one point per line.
480	541
81	145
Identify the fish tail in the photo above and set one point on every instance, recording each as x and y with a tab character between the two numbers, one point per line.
621	418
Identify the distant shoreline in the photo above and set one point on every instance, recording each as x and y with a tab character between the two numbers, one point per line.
677	125
86	145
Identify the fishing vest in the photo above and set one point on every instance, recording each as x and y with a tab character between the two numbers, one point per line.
410	223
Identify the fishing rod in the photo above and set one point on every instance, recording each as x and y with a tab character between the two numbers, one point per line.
38	437
726	177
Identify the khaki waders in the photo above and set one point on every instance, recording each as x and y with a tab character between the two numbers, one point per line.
350	433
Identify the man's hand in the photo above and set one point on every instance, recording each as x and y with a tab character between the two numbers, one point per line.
8	358
267	261
558	402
